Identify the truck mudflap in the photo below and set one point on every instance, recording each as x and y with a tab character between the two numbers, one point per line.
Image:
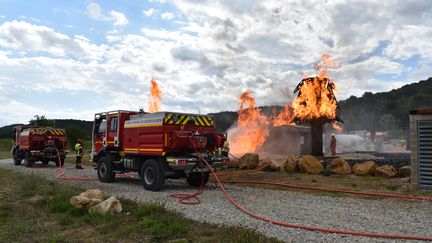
189	164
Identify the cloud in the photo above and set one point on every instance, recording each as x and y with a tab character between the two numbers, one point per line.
212	51
21	35
167	16
95	12
149	12
118	18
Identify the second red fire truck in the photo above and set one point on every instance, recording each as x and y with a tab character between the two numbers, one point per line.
39	143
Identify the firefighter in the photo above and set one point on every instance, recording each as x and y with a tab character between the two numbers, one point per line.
79	154
333	145
225	148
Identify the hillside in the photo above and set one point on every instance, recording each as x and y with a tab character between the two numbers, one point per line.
386	111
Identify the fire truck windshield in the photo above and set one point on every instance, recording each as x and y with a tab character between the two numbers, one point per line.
102	126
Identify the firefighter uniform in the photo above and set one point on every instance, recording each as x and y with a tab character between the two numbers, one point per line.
79	154
333	145
225	148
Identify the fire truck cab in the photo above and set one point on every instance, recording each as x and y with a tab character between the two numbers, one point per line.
157	145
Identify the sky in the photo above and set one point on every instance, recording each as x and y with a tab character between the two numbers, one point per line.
70	59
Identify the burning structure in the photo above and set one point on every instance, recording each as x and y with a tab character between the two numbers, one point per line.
314	105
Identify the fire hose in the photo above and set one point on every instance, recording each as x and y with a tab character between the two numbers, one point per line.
185	197
379	194
305	227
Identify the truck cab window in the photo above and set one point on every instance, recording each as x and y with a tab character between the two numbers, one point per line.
113	124
102	126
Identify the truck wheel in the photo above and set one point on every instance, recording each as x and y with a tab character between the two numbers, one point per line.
16	157
104	169
152	175
28	161
62	160
195	178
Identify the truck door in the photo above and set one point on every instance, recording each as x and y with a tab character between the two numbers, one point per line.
112	137
99	134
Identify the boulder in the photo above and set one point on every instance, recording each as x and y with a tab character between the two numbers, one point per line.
405	171
275	165
88	198
290	163
365	168
339	166
249	161
111	205
386	171
311	165
269	164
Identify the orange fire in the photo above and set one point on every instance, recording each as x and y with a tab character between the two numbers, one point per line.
252	127
315	101
337	127
155	97
316	98
285	117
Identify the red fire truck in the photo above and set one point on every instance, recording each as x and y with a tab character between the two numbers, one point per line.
38	143
157	145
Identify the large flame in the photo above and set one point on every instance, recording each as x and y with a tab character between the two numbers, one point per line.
252	127
155	97
315	98
285	117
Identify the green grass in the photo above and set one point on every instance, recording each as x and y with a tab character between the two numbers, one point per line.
33	209
392	187
5	148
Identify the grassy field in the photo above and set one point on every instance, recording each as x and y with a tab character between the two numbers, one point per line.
36	210
5	148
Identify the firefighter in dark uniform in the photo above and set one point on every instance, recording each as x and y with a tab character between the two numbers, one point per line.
333	145
79	154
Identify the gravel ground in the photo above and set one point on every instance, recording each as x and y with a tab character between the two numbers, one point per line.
385	216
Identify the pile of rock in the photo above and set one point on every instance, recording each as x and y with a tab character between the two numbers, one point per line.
93	200
311	165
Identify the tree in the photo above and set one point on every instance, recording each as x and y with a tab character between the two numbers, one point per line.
41	121
73	133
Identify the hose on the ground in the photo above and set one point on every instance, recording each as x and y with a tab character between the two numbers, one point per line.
271	183
378	194
191	199
184	198
311	228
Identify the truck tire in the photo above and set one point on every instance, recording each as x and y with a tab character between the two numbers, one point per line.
104	170
16	157
195	178
152	175
28	161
